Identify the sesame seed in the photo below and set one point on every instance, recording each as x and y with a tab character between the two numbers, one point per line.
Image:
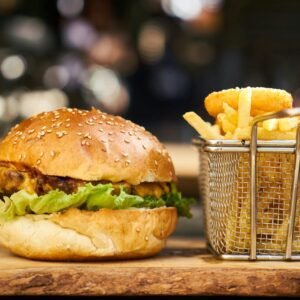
44	127
137	229
61	133
20	156
41	134
79	133
117	160
122	131
87	135
138	138
127	141
80	125
30	131
146	238
49	130
127	162
125	154
68	120
89	123
144	147
68	125
56	116
110	133
38	161
104	150
100	129
103	141
130	133
52	153
155	162
85	142
109	123
41	154
94	118
110	140
100	122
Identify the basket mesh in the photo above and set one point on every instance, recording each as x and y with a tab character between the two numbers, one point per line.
225	190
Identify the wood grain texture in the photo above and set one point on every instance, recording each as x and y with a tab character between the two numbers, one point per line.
183	268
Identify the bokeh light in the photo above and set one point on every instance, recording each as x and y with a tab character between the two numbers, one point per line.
79	34
182	9
70	8
13	67
56	77
107	89
34	102
152	41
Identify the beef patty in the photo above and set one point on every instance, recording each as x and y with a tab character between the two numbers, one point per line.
15	177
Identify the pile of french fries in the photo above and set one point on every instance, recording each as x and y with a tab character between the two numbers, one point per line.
232	124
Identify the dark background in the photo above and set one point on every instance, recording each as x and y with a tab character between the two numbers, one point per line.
147	60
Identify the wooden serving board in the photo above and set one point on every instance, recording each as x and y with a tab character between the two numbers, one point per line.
183	268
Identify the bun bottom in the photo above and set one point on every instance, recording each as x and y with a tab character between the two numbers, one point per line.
79	235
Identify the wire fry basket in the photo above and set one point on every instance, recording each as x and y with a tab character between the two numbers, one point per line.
250	193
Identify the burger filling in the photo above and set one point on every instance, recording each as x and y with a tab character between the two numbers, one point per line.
25	190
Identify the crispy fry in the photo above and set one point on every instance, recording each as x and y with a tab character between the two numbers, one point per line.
203	128
270	125
276	135
244	107
230	114
263	100
287	124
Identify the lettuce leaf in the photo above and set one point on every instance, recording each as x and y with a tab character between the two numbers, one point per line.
88	197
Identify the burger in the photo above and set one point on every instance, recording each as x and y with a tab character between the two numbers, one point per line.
86	185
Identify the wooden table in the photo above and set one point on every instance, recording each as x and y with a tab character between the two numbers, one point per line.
183	268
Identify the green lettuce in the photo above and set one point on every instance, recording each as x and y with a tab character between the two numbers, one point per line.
88	197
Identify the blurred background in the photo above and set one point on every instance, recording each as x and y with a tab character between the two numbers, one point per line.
149	61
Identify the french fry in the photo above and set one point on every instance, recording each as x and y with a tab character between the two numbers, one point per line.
228	136
287	124
270	125
244	107
216	128
231	114
203	128
264	134
227	126
242	133
220	118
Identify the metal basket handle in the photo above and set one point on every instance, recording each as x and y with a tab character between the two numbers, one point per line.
293	112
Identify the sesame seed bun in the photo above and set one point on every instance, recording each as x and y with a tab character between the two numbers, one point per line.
88	145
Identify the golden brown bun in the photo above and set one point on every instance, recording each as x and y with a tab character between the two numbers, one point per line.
263	100
85	235
88	145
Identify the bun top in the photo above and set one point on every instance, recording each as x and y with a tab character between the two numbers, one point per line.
88	145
